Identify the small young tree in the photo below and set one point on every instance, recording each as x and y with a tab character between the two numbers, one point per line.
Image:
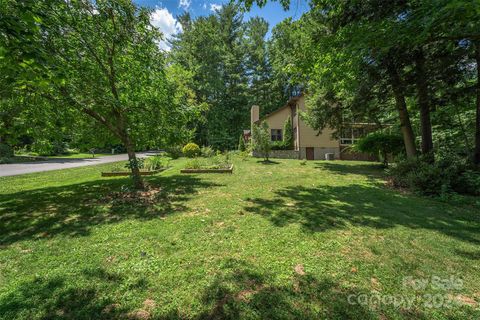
380	143
261	139
288	134
241	143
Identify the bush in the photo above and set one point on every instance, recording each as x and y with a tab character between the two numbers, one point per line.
194	164
191	150
280	145
43	147
5	151
241	143
399	171
428	180
244	155
59	147
261	139
447	175
468	183
137	163
217	162
155	163
380	143
288	134
207	152
174	152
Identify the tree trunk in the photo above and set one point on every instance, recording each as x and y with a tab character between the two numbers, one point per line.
476	153
424	104
385	160
132	158
405	124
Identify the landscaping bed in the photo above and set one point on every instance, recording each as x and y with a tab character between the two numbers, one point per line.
216	164
209	170
128	173
148	166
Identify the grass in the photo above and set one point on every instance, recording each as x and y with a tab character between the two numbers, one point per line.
22	158
79	155
276	241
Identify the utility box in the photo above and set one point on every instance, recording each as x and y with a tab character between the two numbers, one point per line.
329	156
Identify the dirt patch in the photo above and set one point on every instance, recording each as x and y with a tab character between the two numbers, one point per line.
139	315
149	304
375	283
464	300
299	269
110	308
246	295
148	196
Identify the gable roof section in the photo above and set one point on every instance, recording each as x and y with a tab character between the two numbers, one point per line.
287	105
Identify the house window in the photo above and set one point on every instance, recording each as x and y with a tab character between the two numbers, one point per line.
276	134
351	135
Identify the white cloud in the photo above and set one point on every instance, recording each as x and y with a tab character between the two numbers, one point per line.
166	23
204	5
215	6
185	4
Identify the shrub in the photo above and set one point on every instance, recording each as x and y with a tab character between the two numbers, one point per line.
59	147
194	164
398	172
428	180
155	163
207	152
241	143
261	139
380	143
5	160
447	175
191	150
174	152
137	163
288	134
468	182
244	155
216	162
43	147
5	151
280	145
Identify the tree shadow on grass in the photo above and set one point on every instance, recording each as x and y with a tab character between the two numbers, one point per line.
241	291
338	207
238	291
74	209
370	170
472	255
60	297
267	162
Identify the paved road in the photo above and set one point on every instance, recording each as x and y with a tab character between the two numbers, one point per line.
55	164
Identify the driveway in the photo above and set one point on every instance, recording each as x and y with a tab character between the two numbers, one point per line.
59	163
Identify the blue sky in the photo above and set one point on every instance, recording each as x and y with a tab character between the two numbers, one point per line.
164	16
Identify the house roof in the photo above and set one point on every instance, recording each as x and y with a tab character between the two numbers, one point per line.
290	101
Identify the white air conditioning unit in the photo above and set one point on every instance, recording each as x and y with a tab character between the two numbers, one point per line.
329	156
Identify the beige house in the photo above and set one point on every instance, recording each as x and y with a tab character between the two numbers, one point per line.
308	144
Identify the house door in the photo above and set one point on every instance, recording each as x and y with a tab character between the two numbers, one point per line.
310	153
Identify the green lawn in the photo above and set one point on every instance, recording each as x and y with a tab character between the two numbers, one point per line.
80	155
22	158
276	241
28	157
